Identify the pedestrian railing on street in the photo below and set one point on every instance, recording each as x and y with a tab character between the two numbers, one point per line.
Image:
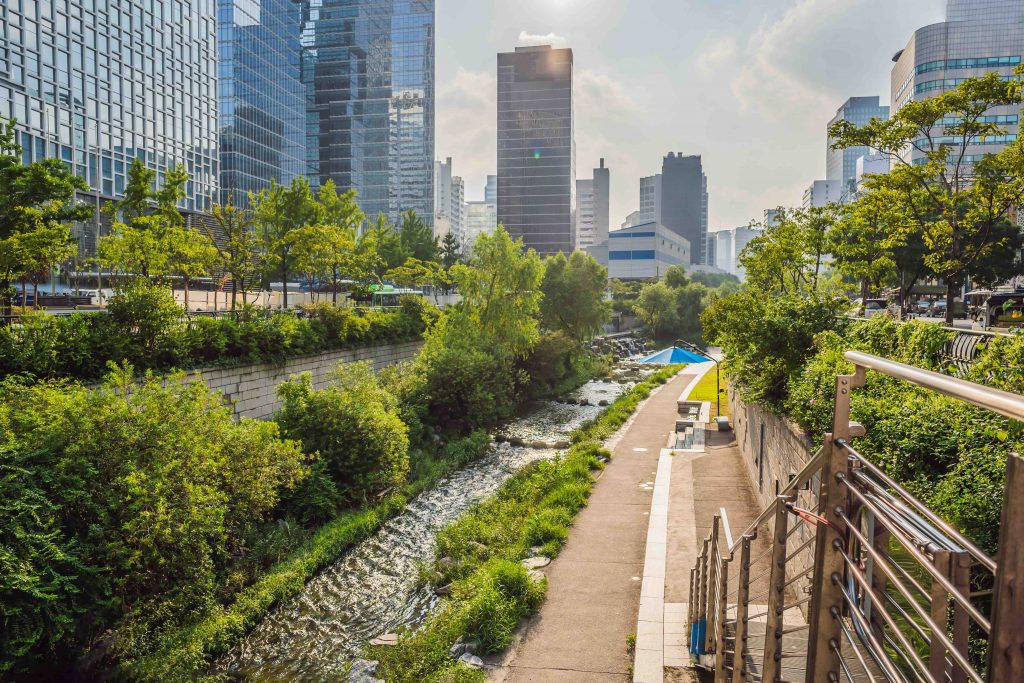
846	576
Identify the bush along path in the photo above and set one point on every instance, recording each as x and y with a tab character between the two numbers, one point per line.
481	557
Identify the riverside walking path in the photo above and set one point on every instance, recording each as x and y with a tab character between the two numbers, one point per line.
594	585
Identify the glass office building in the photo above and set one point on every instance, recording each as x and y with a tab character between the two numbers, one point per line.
262	101
368	72
978	37
536	151
98	83
684	202
841	164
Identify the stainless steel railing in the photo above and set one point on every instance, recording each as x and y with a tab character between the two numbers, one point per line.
855	579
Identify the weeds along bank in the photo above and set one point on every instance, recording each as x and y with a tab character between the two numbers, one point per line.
479	556
785	353
144	530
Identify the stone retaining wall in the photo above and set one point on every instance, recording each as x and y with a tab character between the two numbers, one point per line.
774	450
253	388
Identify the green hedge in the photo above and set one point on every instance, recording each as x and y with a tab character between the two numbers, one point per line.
490	589
144	327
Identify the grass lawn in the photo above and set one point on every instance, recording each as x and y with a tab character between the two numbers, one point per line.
705	391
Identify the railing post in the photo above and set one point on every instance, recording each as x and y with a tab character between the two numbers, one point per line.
711	586
829	569
702	603
772	668
739	659
691	608
961	578
940	615
721	614
1006	646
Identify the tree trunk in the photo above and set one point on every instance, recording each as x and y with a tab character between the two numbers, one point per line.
284	281
334	288
951	288
865	291
186	294
35	295
24	293
234	293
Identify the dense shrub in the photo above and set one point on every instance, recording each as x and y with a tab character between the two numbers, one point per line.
122	500
767	339
146	328
354	427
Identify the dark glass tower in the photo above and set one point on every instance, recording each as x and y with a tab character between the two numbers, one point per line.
262	102
368	71
536	152
684	202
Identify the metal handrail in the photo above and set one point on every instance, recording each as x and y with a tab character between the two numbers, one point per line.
801	478
976	552
1002	402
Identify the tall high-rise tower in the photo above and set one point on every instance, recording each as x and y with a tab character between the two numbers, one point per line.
536	151
262	102
684	202
368	68
841	164
98	87
978	37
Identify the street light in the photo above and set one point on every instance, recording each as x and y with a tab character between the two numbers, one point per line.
718	374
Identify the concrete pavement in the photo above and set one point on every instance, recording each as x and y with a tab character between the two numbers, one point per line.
594	585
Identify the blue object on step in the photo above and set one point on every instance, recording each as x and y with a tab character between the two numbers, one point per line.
697	633
674	356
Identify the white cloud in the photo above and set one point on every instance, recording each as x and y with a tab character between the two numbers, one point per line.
716	53
526	38
467	127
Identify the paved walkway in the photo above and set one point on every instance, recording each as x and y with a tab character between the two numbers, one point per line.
594	585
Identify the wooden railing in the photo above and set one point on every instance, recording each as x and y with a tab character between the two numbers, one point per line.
847	576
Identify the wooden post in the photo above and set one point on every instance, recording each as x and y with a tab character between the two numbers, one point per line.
1006	643
822	659
721	614
739	657
772	668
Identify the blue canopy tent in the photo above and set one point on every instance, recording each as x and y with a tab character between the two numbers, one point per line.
674	356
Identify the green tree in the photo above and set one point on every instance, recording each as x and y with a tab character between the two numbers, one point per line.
190	254
863	242
37	196
278	212
790	255
500	291
379	249
960	206
147	241
417	238
656	308
239	250
40	250
574	296
324	253
451	251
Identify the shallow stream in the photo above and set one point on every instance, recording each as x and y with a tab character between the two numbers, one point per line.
373	589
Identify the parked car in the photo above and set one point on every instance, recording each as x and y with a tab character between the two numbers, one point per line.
873	307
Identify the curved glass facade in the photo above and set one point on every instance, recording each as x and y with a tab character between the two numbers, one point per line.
262	102
368	71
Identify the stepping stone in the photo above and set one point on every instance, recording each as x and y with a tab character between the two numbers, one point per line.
386	640
538	562
472	661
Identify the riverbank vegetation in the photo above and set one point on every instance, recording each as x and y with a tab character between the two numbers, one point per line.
670	308
479	556
145	530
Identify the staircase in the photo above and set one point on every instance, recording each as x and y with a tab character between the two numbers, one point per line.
847	577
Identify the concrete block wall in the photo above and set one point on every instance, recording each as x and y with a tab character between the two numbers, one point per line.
775	449
252	389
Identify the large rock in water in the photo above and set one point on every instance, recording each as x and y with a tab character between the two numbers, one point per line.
363	671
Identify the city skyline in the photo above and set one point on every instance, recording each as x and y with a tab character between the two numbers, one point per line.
758	121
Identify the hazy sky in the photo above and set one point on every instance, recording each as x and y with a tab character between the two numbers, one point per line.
748	84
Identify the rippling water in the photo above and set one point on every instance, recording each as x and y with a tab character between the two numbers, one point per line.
372	589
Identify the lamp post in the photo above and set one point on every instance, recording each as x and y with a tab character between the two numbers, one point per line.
718	374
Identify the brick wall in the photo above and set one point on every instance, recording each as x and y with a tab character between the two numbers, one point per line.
253	388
